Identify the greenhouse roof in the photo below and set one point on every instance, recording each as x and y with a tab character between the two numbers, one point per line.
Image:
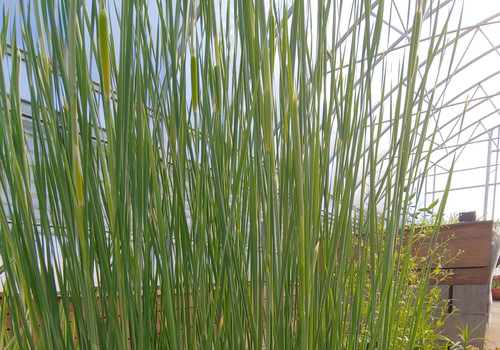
465	106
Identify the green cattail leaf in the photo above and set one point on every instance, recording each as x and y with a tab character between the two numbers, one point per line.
194	81
103	45
268	102
268	118
78	178
217	86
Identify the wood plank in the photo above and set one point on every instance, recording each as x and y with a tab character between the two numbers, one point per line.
465	276
472	240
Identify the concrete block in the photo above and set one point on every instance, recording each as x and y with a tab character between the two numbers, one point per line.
452	332
471	299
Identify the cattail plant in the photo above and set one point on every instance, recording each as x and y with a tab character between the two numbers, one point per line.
208	175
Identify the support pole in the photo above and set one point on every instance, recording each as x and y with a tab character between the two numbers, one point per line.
487	182
496	174
434	185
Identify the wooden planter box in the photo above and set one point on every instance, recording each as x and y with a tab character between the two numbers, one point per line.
467	290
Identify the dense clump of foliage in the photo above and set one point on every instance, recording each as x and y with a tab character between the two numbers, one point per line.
195	176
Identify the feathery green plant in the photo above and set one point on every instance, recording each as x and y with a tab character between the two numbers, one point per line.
191	170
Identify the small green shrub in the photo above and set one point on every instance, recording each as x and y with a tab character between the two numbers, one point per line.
495	282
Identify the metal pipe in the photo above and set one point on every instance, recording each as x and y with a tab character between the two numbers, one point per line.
487	181
496	175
